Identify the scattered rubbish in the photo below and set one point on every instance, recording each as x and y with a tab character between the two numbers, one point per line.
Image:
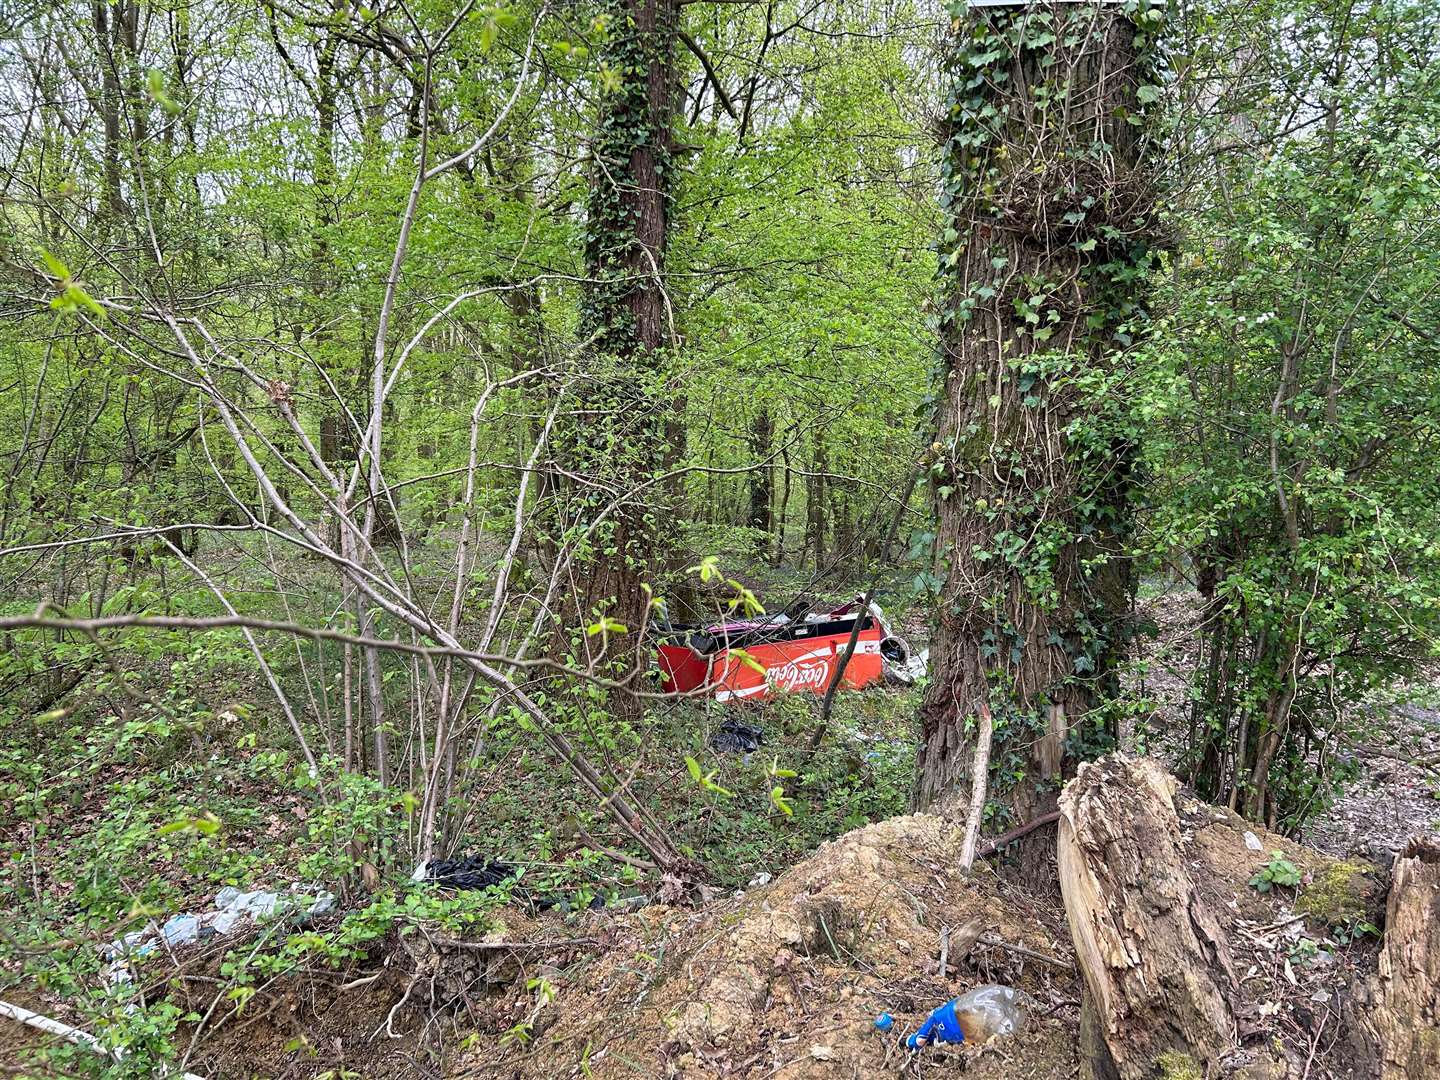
797	649
181	930
232	909
884	1021
52	1026
762	878
975	1016
1253	842
737	737
468	872
478	872
901	664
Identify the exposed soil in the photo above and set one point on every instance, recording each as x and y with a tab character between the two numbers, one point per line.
785	980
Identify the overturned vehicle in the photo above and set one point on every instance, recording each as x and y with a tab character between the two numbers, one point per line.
797	649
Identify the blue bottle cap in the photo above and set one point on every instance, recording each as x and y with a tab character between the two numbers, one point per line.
884	1021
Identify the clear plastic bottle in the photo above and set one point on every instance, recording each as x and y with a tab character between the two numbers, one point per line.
975	1016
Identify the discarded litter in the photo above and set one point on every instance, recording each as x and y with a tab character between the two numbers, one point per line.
737	737
477	872
902	664
796	649
232	909
467	872
181	930
884	1021
975	1016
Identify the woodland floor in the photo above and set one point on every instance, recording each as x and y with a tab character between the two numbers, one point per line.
783	979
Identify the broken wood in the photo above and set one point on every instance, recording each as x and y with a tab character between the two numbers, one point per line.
1155	961
979	777
1407	1018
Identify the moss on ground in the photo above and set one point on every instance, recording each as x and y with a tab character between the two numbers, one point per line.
1337	896
1174	1065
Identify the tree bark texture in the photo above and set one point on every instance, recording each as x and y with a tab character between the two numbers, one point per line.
1155	960
619	442
762	477
1032	483
1408	1014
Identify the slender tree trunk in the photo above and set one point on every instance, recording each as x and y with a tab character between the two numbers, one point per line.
815	495
785	488
100	15
1045	197
762	477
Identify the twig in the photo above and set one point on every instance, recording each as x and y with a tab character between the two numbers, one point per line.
390	1016
65	1031
355	984
1022	950
1314	1043
495	946
843	660
990	847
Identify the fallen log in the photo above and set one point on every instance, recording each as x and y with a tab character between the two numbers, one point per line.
1155	961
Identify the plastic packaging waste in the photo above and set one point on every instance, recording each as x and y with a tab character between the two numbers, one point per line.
884	1021
181	930
975	1016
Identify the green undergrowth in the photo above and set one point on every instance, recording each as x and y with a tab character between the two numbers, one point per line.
166	773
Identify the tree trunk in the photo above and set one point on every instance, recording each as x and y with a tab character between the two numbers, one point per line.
619	440
815	496
1047	246
1408	1015
100	13
762	476
1155	960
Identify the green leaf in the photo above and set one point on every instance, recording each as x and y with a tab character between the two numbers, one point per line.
57	268
778	800
748	660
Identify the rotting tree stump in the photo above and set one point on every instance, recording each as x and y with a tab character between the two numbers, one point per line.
1156	963
1407	1014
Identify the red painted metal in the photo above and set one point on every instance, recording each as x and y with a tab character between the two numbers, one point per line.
800	663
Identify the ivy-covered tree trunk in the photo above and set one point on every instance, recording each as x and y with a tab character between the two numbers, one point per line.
1043	262
620	442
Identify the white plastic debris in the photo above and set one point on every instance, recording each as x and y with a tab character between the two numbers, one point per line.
233	910
1253	842
181	930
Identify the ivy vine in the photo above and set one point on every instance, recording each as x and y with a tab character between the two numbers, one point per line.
1050	239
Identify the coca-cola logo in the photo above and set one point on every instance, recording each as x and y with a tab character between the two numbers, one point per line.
806	672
